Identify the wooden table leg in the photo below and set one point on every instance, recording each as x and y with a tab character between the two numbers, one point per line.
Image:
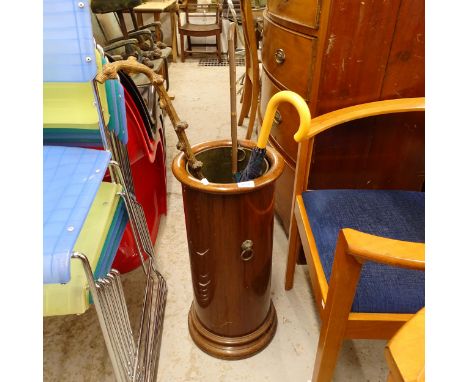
157	17
173	16
140	19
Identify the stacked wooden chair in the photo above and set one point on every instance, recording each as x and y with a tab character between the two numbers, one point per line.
108	34
89	195
192	10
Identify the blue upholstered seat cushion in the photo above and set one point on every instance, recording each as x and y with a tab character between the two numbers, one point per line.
392	214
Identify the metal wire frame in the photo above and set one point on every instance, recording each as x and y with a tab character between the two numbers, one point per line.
121	173
135	363
109	322
131	363
151	327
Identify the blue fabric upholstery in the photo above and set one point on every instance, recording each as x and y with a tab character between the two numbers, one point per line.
391	214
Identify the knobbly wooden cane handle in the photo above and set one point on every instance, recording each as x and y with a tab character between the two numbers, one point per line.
132	66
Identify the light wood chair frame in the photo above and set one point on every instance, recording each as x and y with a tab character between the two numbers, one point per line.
354	248
191	10
251	90
405	351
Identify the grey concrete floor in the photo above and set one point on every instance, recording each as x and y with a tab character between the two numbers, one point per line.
74	349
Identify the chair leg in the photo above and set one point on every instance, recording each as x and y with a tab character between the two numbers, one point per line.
327	354
218	47
246	99
182	48
189	44
343	281
253	111
293	252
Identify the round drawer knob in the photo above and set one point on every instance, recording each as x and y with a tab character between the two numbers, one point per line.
277	119
247	250
280	56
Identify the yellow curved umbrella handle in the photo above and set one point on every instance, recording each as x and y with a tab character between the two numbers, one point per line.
298	102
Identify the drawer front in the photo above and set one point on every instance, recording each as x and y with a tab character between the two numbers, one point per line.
289	57
285	124
302	12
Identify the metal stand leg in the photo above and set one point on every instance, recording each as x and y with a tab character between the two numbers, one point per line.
105	309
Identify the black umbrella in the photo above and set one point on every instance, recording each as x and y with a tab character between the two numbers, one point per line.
254	166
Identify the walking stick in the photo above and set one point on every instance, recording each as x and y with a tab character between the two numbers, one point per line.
131	65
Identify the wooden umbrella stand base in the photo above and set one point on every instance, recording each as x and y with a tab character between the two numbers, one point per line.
232	348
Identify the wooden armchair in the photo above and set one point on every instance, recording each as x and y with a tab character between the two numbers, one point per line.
193	10
364	248
120	48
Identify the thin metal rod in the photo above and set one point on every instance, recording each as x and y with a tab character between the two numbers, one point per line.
111	324
142	323
124	312
137	231
117	329
99	311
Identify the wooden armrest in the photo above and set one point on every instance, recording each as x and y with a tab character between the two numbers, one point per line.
141	32
338	117
119	44
365	247
155	24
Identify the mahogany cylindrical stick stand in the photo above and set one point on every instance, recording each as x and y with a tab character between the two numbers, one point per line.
230	240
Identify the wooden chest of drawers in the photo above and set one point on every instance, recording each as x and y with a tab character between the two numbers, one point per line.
338	53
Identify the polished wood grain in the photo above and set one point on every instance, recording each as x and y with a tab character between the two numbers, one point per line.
364	51
356	52
405	71
180	162
375	326
299	57
370	154
301	15
231	290
233	348
405	351
334	299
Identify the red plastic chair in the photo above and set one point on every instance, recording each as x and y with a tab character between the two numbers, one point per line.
147	164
